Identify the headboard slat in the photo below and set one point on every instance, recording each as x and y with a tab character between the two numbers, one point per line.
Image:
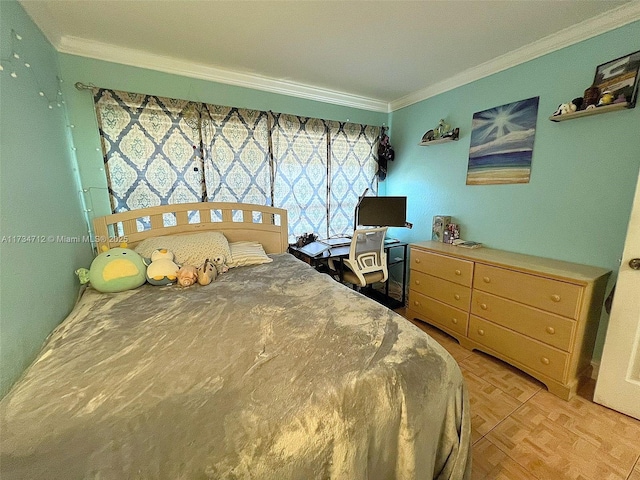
247	216
157	221
130	226
182	217
273	237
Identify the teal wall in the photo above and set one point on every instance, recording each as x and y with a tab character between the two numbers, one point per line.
577	204
132	79
38	196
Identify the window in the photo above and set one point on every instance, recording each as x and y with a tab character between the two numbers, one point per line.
300	183
235	148
149	145
160	151
352	171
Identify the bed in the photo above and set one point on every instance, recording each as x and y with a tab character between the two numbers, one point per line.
273	371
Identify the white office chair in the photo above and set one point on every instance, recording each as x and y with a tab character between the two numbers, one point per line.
367	262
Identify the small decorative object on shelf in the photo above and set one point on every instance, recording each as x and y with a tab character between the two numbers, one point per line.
605	99
442	133
615	87
570	107
591	97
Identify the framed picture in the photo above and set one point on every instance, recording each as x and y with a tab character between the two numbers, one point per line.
620	77
501	146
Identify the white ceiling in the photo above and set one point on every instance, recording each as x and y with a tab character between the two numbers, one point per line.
378	55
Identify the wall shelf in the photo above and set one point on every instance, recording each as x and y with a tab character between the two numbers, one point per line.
592	111
452	136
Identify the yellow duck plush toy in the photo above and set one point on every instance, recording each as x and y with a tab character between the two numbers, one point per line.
162	270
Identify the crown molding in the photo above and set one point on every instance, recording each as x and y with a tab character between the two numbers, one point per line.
600	24
138	58
605	22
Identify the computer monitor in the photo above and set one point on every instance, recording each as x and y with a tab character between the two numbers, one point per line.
382	212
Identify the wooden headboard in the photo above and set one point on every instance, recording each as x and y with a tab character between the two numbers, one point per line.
237	221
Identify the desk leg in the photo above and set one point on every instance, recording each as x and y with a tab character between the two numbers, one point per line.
404	275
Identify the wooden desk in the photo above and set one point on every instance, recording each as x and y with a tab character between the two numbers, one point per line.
320	263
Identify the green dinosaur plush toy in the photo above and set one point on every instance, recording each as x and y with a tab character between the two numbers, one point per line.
115	270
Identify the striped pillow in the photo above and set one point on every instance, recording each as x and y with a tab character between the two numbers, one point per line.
247	253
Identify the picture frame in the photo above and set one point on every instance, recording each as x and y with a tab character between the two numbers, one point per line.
620	77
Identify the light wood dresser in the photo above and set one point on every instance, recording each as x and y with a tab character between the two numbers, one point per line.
539	315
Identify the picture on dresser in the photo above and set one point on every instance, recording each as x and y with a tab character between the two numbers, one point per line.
502	143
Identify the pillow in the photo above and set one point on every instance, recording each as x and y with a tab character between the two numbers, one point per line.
192	249
247	253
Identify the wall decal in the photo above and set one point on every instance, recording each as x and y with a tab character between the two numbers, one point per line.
502	143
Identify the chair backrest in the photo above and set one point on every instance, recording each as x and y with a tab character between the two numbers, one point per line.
367	254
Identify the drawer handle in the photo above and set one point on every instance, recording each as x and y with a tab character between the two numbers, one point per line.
458	272
416	303
417	260
486	279
483	306
454	321
480	332
417	282
545	360
456	296
555	298
551	330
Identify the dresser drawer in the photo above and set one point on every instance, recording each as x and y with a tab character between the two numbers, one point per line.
544	326
451	293
438	313
448	268
539	357
545	293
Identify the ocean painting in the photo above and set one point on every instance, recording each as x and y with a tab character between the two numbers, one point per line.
502	143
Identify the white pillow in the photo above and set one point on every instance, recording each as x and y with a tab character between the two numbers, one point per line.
247	253
191	248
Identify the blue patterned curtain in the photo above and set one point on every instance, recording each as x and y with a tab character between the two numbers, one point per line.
160	151
299	148
352	169
150	147
236	152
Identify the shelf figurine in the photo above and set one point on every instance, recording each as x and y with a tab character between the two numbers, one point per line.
442	129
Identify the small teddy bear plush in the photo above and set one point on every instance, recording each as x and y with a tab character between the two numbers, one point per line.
207	272
220	264
187	275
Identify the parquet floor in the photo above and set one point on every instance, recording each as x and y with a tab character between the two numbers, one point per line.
522	432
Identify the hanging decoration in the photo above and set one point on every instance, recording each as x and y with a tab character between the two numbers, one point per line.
19	67
385	153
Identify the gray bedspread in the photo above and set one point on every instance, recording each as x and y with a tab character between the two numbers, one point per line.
271	372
